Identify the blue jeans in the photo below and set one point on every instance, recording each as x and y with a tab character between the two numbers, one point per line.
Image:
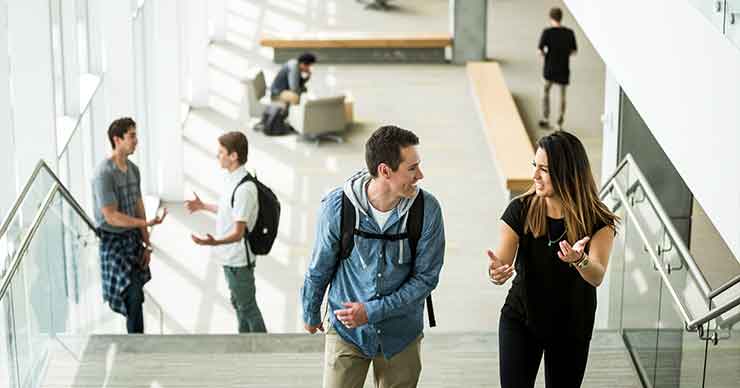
134	298
241	285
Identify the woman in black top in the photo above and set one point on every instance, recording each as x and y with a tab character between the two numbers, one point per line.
561	235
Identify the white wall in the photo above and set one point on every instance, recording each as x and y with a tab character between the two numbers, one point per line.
682	75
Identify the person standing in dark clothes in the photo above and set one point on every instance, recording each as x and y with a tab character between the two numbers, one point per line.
557	44
561	235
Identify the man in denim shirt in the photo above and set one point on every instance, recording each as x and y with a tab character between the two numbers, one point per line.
376	298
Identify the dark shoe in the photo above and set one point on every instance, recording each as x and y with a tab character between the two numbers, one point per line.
544	124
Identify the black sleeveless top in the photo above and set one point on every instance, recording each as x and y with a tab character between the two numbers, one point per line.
549	295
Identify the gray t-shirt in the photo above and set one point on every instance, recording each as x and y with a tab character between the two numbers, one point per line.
113	186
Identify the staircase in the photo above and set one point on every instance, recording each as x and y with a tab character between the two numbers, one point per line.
289	360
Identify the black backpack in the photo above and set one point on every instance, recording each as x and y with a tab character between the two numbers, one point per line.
413	233
274	121
265	229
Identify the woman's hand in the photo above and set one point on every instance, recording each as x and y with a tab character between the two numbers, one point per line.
571	254
498	272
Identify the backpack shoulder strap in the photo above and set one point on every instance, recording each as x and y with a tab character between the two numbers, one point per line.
415	222
347	231
247	178
413	227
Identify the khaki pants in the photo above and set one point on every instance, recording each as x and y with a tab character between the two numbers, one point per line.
346	367
289	97
546	101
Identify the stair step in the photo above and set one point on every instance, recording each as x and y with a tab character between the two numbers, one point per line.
288	360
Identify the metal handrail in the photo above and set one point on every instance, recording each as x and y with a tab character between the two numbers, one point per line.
691	324
57	186
653	255
664	219
725	286
27	187
18	257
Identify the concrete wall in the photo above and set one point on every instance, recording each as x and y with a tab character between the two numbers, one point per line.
681	74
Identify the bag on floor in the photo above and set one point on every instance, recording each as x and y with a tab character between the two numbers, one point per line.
274	121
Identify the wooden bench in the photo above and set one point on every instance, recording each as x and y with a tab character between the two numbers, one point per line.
507	137
342	47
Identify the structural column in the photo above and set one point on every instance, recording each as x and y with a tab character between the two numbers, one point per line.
469	26
217	19
31	62
119	54
70	58
165	99
98	141
197	41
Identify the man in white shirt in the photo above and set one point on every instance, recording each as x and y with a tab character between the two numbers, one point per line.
230	248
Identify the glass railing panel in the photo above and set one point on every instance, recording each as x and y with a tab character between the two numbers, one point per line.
55	294
640	304
732	23
687	288
37	296
19	223
680	353
713	10
8	367
723	361
87	313
610	293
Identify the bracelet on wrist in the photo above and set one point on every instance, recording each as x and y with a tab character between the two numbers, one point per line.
580	259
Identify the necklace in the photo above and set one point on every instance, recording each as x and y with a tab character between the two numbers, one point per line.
550	242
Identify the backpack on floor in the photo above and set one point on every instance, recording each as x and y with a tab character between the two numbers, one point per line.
263	235
274	121
413	233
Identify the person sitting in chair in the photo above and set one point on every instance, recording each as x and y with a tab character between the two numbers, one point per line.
291	80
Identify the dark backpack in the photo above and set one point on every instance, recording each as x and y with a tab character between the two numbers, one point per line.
265	229
413	233
274	121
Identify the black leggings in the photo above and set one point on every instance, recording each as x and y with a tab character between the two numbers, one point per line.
520	353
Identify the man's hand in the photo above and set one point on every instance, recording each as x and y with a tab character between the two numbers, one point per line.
312	329
157	219
146	257
498	272
208	240
353	316
194	205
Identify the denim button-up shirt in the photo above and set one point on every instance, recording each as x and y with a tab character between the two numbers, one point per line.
381	274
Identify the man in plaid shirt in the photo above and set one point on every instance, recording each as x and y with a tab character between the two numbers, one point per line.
124	239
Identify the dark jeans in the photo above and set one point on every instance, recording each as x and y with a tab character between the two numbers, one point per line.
243	298
134	301
520	353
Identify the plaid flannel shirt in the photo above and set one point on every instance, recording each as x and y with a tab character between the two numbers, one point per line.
119	253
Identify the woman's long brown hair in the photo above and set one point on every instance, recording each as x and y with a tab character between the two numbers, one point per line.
572	182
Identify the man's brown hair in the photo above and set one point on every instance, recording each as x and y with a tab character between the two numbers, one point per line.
384	146
556	14
235	142
118	128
